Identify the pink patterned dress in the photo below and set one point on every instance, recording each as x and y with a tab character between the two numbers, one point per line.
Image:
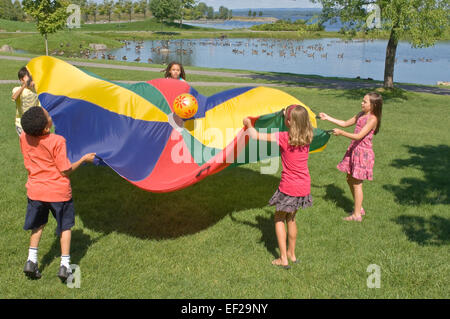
359	159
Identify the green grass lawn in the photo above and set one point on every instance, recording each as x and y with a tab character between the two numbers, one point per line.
216	239
17	26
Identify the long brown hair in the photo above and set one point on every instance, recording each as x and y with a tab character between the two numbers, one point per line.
376	104
300	128
182	74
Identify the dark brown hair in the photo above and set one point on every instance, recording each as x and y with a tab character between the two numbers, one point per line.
376	104
22	72
182	74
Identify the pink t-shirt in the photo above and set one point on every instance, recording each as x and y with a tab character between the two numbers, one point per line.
45	158
295	179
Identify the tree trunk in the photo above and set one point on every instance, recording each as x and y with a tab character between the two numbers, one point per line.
181	21
46	44
391	50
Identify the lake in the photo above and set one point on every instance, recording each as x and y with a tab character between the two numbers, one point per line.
330	57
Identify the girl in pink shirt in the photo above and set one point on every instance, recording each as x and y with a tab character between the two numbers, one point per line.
294	191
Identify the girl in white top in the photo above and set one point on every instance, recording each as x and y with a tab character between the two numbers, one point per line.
25	96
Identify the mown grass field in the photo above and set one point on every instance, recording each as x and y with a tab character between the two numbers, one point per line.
216	239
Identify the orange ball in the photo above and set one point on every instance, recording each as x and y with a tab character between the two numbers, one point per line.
185	105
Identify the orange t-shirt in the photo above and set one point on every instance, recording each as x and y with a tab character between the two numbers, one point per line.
45	158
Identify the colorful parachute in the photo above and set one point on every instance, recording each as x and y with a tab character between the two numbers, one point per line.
132	129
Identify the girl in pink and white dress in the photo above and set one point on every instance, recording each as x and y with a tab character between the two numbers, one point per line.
359	159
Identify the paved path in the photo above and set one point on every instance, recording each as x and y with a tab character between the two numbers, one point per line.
290	81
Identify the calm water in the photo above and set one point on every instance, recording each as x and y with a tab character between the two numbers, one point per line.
326	57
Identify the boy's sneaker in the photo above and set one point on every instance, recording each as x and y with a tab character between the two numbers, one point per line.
64	273
31	270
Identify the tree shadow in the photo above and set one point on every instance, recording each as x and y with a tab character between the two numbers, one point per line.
80	243
357	93
107	203
353	88
169	33
432	232
267	227
434	189
337	196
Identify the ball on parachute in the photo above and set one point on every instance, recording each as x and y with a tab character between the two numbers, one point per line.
185	105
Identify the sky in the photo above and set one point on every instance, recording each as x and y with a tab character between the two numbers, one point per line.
241	4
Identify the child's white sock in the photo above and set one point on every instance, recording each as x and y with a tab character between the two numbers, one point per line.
33	254
65	261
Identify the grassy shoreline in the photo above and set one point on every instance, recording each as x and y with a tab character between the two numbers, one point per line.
114	74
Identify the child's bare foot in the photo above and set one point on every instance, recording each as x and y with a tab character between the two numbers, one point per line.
279	262
293	259
353	212
354	217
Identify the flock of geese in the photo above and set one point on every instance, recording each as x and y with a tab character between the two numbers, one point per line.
268	47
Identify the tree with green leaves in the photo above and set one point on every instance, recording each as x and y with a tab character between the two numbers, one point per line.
118	8
210	13
141	7
50	16
92	9
128	8
107	8
165	10
7	10
223	13
420	22
201	10
19	14
185	4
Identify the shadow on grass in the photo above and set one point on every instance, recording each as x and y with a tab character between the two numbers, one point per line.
337	196
354	88
432	232
434	189
267	227
79	245
315	81
107	203
166	33
387	94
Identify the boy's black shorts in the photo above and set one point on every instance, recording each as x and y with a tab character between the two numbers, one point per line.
37	214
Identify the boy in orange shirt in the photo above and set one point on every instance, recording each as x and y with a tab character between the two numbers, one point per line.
48	186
